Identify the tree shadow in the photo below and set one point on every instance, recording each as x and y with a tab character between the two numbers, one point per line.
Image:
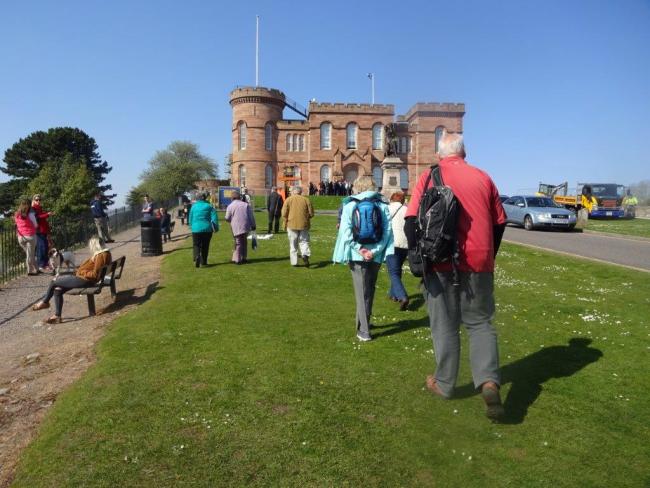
528	374
400	327
128	297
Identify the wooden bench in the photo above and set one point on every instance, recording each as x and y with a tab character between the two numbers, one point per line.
107	276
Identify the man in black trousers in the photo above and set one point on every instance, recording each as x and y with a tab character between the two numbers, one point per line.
274	207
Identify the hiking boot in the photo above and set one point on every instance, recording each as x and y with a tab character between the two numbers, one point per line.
404	304
363	336
494	407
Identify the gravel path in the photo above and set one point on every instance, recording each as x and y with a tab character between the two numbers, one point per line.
39	361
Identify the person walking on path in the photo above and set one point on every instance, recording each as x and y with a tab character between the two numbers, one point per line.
242	221
480	228
297	213
101	218
363	259
26	224
395	261
203	222
86	275
42	234
165	224
274	208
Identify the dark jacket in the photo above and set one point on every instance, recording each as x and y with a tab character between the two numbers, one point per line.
274	204
97	209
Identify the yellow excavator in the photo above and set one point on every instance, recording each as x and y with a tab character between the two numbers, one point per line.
594	197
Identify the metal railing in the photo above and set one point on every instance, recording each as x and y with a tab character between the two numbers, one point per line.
66	233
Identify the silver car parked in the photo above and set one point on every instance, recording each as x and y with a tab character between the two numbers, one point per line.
534	211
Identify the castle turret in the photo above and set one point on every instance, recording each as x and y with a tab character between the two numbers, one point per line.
255	113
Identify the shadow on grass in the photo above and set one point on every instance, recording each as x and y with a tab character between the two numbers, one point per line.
528	374
128	297
320	264
400	327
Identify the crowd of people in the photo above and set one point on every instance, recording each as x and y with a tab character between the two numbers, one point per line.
339	188
371	231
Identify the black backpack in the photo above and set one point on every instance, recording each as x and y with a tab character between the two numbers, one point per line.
436	225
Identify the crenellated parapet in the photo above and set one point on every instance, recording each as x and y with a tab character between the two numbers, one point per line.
356	108
433	109
259	94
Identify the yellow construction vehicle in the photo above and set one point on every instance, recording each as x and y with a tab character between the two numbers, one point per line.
599	199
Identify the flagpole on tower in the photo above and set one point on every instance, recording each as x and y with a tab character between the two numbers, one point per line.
372	86
257	51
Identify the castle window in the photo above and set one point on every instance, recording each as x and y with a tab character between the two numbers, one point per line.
402	146
404	178
351	135
377	136
377	176
295	142
289	143
242	135
268	175
301	142
326	136
268	137
408	144
439	132
242	175
325	173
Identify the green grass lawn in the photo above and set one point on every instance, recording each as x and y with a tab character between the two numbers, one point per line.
252	376
319	202
634	227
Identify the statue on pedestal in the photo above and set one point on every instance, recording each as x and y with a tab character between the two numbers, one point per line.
390	140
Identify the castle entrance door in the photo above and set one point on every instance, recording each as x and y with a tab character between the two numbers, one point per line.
351	172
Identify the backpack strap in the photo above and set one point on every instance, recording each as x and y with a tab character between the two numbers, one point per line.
437	175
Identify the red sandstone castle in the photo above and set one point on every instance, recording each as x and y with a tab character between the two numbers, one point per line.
332	141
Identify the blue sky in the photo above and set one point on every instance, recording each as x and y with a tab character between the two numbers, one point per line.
554	90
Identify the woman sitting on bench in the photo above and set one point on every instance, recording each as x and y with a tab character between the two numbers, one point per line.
87	275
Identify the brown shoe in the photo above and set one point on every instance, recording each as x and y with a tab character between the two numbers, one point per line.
404	304
41	306
492	399
433	387
53	320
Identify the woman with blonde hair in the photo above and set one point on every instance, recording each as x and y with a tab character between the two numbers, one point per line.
26	225
364	211
87	275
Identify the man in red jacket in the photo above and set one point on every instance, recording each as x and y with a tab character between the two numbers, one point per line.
480	227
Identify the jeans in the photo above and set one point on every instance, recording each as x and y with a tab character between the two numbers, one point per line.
42	259
394	263
59	286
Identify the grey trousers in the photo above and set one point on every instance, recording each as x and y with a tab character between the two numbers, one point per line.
102	228
364	279
471	303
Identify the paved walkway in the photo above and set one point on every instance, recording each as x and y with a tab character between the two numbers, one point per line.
37	362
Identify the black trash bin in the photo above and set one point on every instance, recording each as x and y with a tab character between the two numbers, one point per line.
150	237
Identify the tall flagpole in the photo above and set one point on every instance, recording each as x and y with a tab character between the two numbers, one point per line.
372	85
257	50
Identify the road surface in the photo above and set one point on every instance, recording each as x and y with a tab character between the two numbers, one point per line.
620	250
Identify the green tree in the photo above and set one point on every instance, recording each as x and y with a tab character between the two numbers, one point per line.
136	195
67	186
175	170
27	157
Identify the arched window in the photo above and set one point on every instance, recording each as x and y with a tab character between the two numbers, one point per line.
404	178
268	175
326	135
351	135
242	135
242	175
295	142
440	130
268	137
301	142
377	136
325	173
377	176
289	143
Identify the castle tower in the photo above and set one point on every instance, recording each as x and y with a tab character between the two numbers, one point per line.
255	113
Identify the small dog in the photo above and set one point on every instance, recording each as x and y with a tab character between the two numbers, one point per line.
59	259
